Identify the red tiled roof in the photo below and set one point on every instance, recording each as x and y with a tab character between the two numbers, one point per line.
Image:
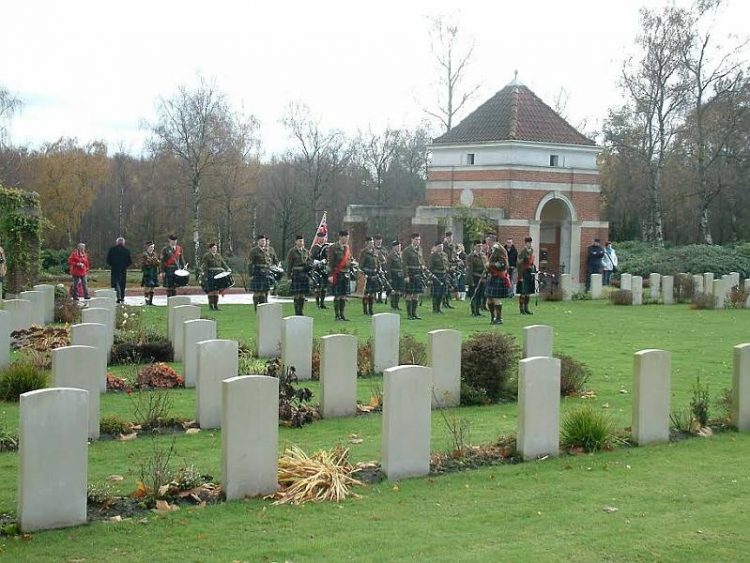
515	113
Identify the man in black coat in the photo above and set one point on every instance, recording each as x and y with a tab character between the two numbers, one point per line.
512	251
118	259
594	261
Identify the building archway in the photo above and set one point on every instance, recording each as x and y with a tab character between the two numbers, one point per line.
556	215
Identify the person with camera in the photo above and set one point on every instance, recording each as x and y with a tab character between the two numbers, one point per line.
318	255
526	276
339	262
394	268
78	262
298	269
413	267
212	264
259	265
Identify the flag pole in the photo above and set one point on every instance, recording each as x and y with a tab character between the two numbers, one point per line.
323	225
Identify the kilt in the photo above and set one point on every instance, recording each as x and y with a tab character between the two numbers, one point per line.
150	277
300	283
415	285
397	282
169	277
373	284
496	287
209	284
440	286
260	279
526	285
460	281
341	286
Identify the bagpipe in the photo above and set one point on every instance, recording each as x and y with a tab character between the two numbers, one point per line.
317	272
428	278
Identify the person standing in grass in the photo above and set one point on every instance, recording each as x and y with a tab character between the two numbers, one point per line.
413	266
439	269
298	268
476	266
212	264
394	268
609	263
497	283
150	269
526	276
339	262
78	262
119	260
594	256
259	264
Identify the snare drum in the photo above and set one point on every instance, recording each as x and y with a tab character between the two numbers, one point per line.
181	278
223	280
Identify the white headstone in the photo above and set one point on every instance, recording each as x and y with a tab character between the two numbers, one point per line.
268	330
596	286
726	280
20	313
108	292
76	367
406	421
654	282
747	289
52	459
735	277
386	329
195	331
566	287
217	361
697	284
537	341
626	282
741	387
4	339
102	316
172	302
338	375
708	282
538	407
637	289
49	301
249	435
651	390
296	345
94	335
36	298
104	303
180	314
444	358
720	295
667	290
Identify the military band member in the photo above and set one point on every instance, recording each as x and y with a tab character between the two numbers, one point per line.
317	254
211	264
526	282
382	255
449	248
171	261
439	268
150	269
498	283
259	264
460	272
339	261
476	266
297	268
394	267
369	263
413	265
271	252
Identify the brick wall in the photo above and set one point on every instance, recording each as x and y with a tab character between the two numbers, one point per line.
506	174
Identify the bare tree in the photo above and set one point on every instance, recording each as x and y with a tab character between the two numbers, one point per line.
452	59
378	151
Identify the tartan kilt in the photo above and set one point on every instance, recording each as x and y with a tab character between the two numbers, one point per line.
150	278
169	277
341	286
440	289
415	285
496	287
261	279
209	284
461	282
372	285
397	282
300	283
526	285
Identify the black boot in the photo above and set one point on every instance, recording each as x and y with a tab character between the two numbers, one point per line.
398	299
364	305
447	303
323	300
336	309
369	306
414	308
520	305
499	311
255	303
393	301
526	305
491	307
342	305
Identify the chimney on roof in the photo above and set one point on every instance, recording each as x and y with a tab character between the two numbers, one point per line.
515	81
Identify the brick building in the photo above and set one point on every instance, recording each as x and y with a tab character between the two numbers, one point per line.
517	162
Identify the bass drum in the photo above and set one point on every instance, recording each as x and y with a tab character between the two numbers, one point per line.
181	278
223	280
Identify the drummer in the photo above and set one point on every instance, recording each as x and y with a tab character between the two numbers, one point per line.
260	271
171	261
212	264
298	268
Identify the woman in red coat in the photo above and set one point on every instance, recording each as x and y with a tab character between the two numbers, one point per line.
78	263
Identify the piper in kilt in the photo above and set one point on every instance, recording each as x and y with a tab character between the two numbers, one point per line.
212	264
259	264
171	261
476	265
394	270
339	260
382	256
526	282
297	268
449	249
369	263
439	269
317	253
150	269
498	283
413	265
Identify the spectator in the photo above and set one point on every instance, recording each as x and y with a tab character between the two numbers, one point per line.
118	259
512	260
78	263
593	261
609	263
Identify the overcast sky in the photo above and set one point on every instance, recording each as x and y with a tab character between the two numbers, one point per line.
93	70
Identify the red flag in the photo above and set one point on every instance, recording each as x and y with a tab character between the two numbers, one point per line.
322	228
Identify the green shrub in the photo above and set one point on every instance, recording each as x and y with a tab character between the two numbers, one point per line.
67	311
700	403
573	375
8	440
581	296
114	425
621	297
17	379
488	364
472	397
54	261
411	352
587	429
141	346
99	494
738	297
641	259
681	421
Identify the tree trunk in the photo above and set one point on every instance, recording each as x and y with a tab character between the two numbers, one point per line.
705	223
196	218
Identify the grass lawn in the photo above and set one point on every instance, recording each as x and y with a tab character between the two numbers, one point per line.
680	501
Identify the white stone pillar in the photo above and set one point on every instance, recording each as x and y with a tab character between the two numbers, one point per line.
36	298
180	314
268	330
708	283
195	331
52	459
4	339
386	329
596	286
172	302
405	448
249	435
654	282
667	290
697	284
537	341
741	387
49	301
626	282
105	303
102	316
717	289
637	290
296	345
20	313
651	389
94	335
217	361
444	358
566	287
538	407
338	375
77	367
